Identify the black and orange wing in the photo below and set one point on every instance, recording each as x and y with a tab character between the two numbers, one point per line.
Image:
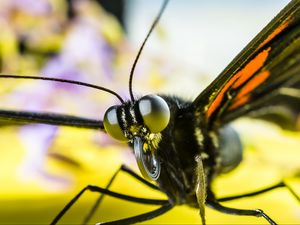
267	70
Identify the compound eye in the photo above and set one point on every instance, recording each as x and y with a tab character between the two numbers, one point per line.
111	124
155	112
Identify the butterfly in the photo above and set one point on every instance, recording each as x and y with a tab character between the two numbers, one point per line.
182	146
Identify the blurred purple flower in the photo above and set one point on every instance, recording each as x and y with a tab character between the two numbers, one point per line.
84	54
85	48
37	144
40	7
58	67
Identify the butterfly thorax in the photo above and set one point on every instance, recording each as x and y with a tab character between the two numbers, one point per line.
177	151
185	138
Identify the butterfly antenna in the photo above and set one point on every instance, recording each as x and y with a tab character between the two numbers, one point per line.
64	81
142	46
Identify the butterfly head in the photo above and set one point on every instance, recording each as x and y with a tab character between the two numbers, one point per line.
140	122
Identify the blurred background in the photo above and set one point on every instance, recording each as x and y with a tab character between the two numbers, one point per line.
42	167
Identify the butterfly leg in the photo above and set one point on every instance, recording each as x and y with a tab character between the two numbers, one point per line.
124	169
142	217
213	203
281	184
93	188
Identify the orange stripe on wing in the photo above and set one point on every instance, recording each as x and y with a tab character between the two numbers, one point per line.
277	31
252	67
217	101
239	78
243	96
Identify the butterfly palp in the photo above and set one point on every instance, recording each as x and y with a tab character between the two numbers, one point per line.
147	161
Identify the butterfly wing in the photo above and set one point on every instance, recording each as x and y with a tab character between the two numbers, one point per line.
282	108
267	70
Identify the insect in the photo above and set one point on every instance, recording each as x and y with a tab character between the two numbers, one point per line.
181	146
